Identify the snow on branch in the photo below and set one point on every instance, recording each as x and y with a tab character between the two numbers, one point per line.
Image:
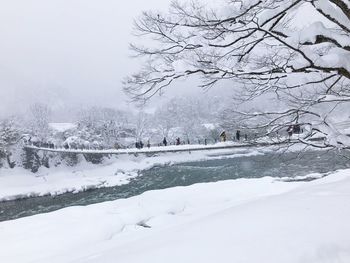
258	46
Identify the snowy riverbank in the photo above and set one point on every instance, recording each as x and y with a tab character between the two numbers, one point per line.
19	183
244	220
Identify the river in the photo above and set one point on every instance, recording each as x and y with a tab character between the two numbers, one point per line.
290	165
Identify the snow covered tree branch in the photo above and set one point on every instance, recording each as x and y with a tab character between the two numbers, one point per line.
261	49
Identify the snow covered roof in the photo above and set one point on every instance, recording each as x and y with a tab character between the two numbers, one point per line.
61	126
209	126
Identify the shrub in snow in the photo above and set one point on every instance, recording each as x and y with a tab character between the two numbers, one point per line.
95	158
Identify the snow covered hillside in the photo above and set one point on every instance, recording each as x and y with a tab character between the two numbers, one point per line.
245	220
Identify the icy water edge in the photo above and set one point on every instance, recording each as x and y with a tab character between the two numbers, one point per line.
270	164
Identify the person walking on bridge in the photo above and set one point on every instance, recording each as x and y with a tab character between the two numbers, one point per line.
238	135
165	143
223	136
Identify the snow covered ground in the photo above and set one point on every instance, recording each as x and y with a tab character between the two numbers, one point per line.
19	183
246	220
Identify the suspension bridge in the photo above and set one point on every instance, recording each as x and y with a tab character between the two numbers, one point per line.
153	150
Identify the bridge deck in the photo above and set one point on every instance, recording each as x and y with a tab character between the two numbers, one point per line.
153	150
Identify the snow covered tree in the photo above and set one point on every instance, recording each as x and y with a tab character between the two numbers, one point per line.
181	117
165	119
296	52
10	136
31	160
40	115
189	119
142	125
102	125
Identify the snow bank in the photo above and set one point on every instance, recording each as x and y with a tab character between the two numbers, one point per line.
245	220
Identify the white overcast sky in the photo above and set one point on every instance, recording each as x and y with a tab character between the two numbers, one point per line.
66	51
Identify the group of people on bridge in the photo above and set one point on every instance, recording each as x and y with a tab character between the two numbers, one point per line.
139	144
38	143
223	136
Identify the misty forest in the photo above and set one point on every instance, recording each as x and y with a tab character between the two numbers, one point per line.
175	131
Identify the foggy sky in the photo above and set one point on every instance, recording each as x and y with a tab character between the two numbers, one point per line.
72	53
66	52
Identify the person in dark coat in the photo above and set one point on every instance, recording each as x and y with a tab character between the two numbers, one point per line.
238	135
178	142
165	143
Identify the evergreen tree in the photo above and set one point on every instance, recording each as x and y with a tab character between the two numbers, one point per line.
31	160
